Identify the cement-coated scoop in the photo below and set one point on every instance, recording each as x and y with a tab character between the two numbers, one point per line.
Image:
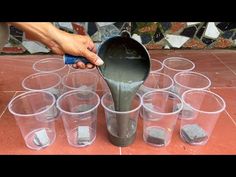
126	66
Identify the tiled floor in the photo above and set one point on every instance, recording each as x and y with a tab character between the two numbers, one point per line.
218	65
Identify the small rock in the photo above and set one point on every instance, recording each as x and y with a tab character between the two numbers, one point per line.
156	136
83	135
41	138
193	133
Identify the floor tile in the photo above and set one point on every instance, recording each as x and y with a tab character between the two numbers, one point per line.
228	94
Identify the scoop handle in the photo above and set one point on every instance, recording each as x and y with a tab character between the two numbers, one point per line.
70	59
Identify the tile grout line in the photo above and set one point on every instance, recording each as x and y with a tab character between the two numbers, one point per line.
230	117
7	106
120	150
224	64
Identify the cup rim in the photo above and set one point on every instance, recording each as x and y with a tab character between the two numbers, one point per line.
51	71
120	112
217	97
27	94
157	70
185	59
157	73
45	89
74	88
163	113
194	73
77	91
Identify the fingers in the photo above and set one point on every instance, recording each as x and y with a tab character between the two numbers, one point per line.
75	66
92	47
92	57
57	50
89	66
80	65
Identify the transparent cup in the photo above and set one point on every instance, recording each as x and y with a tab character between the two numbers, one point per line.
206	107
51	65
50	82
173	65
121	126
33	113
159	116
155	81
79	115
189	80
80	80
156	66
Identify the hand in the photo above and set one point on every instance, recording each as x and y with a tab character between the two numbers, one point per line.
61	42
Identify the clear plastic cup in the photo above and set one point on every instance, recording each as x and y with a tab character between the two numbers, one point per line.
51	65
159	116
80	80
121	126
33	112
173	65
50	82
206	107
156	66
189	80
79	115
155	81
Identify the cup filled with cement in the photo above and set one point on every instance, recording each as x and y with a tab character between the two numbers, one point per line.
79	114
155	81
126	66
121	134
51	65
207	107
159	117
80	80
188	80
33	113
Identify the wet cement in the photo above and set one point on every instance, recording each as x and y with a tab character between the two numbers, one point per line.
126	66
